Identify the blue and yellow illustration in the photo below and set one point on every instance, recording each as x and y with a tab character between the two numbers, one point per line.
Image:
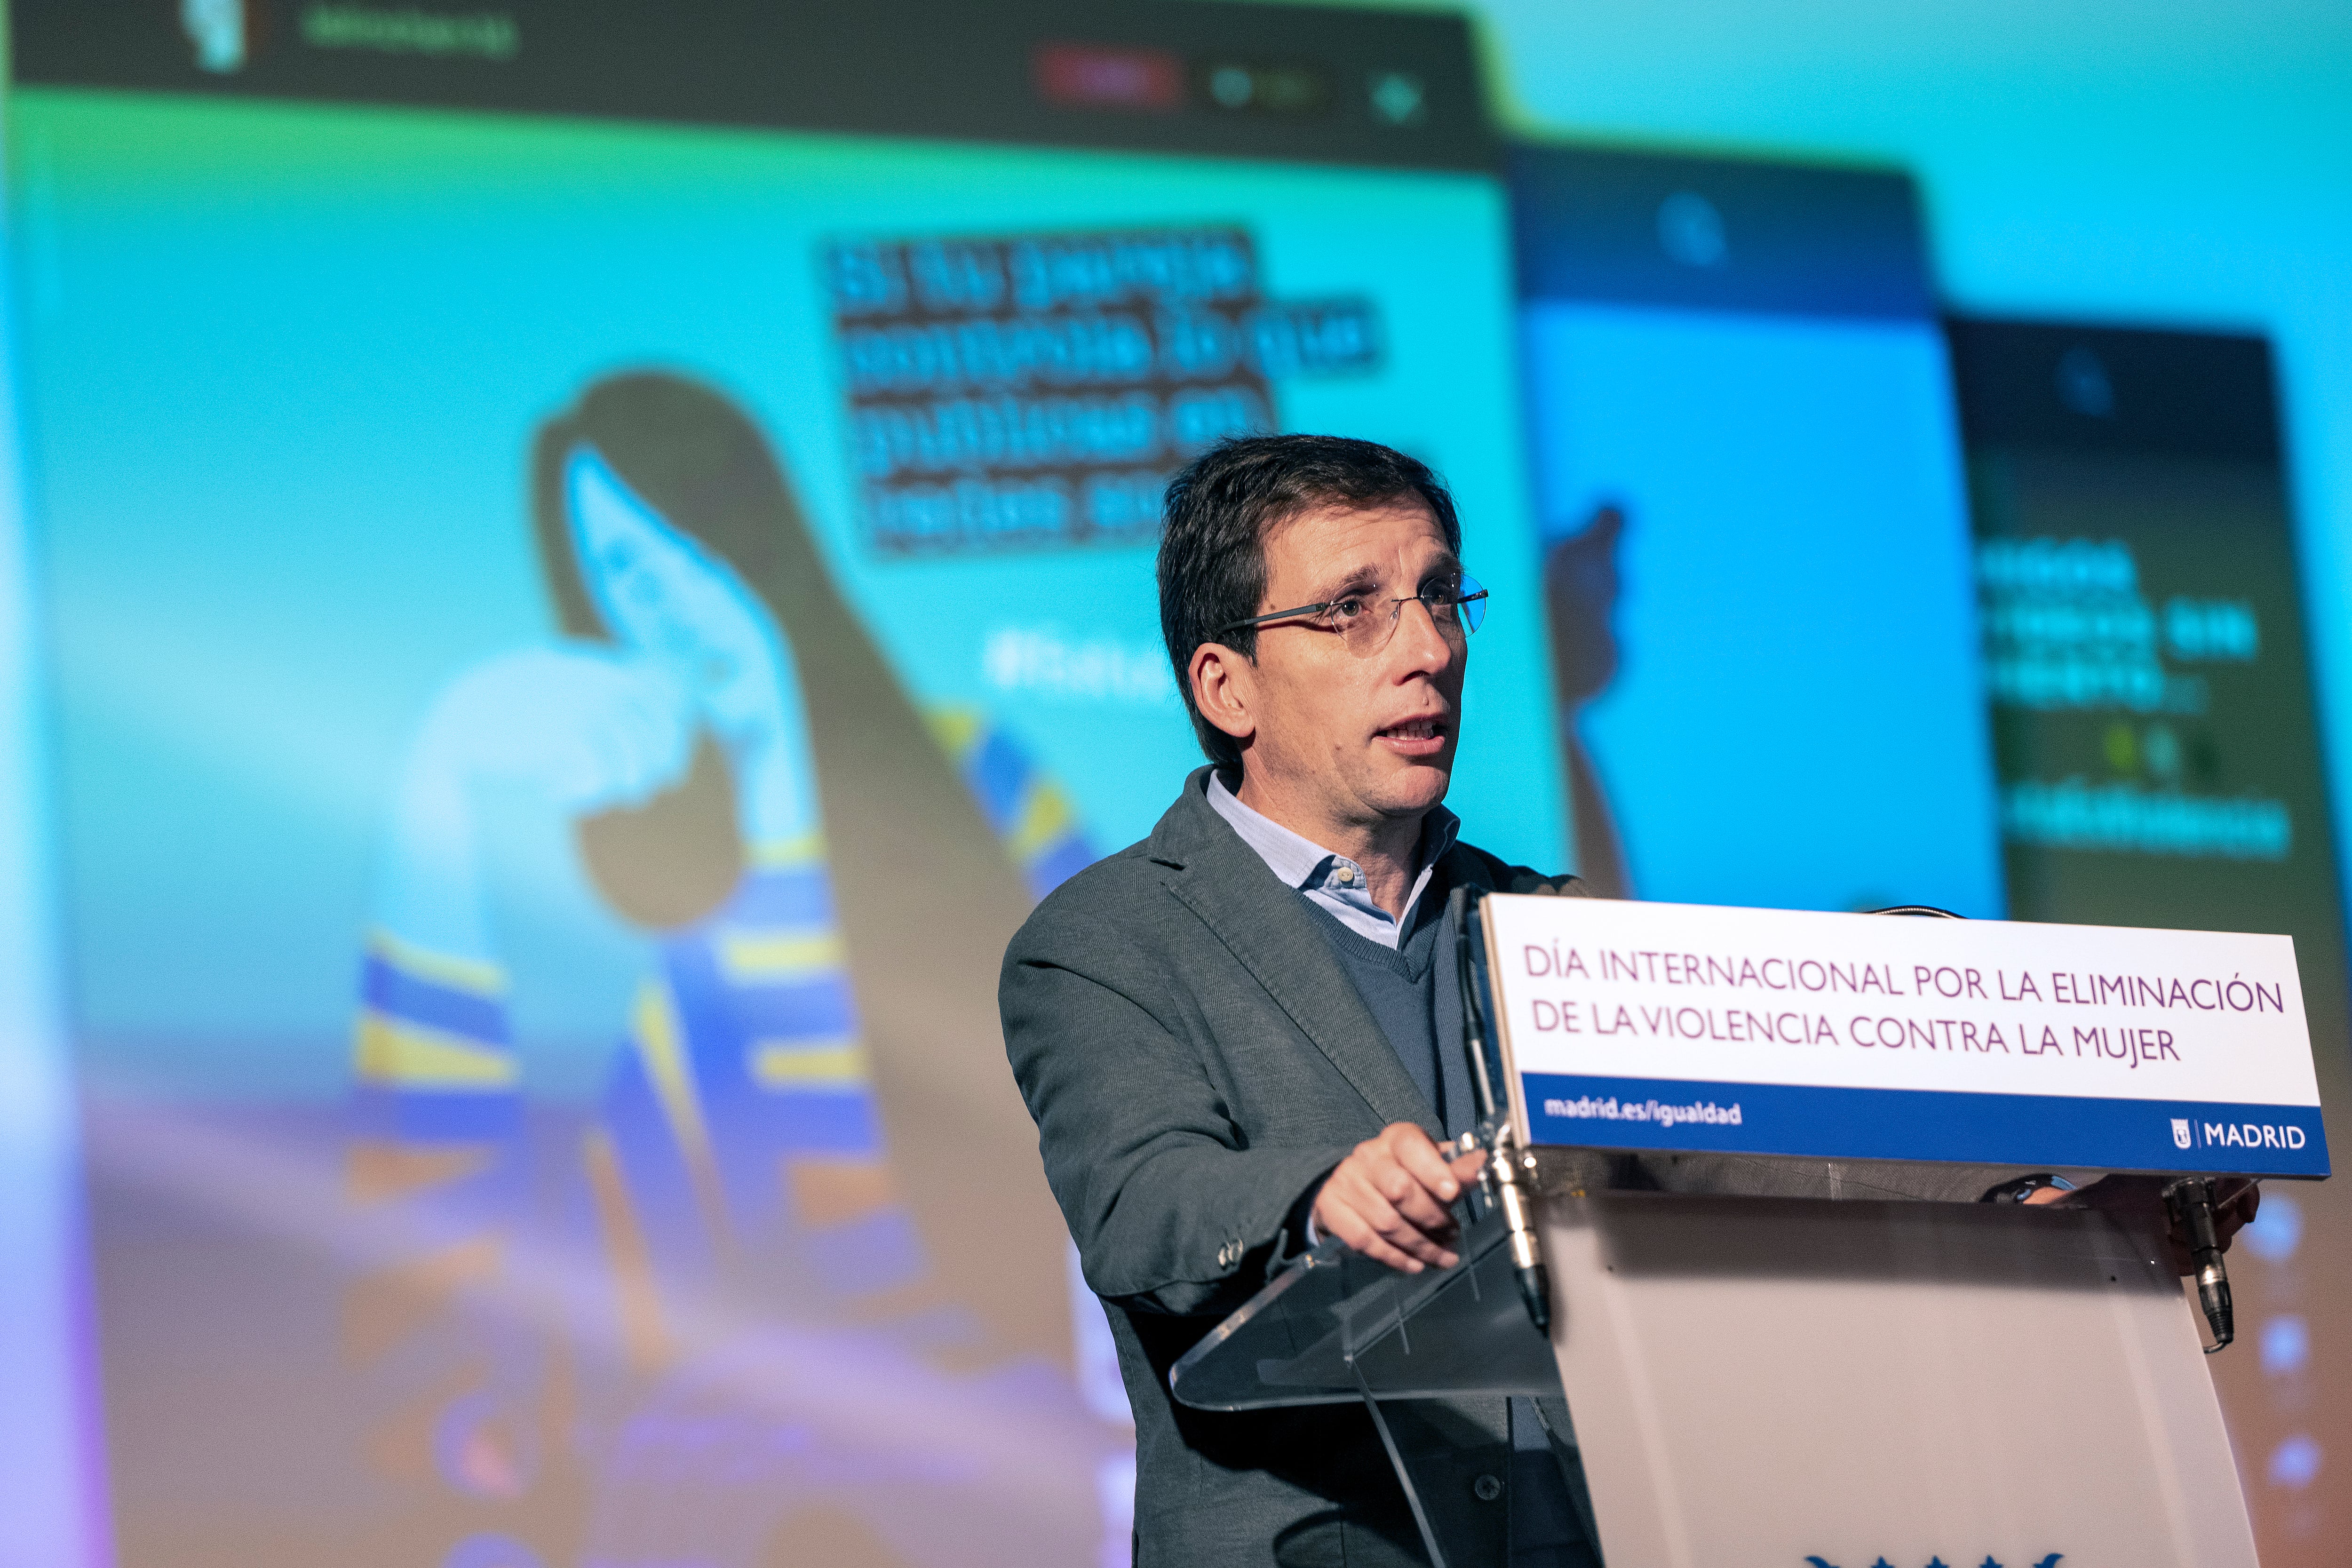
736	1174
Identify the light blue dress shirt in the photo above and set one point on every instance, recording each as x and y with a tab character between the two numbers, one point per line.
1334	881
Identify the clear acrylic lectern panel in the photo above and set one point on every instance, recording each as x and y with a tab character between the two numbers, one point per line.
1335	1326
1762	1383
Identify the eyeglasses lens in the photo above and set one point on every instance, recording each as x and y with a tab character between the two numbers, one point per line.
1472	605
1459	606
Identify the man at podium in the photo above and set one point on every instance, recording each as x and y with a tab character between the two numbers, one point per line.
1233	1035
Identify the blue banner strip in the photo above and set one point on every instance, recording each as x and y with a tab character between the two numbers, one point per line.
2030	1130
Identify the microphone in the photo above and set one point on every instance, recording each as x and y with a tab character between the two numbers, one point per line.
1507	1165
1527	1254
2191	1202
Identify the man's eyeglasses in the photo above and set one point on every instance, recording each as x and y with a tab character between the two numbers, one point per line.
1456	606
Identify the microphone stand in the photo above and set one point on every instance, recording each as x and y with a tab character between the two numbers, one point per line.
2190	1203
1504	1176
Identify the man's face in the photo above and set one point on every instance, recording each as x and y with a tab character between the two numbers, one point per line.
1357	738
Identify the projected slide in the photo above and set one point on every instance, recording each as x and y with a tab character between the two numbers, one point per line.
2160	759
580	620
1755	543
2143	626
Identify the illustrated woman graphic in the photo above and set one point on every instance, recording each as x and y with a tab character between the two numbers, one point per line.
809	1122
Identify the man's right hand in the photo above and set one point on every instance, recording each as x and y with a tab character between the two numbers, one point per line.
1392	1199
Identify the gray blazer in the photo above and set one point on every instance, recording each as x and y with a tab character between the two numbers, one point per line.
1196	1060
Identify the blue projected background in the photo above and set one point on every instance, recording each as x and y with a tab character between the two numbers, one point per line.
1746	780
1740	416
477	1093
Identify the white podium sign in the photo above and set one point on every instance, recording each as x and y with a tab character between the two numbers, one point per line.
1685	1027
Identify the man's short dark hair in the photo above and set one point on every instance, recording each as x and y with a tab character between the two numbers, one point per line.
1221	507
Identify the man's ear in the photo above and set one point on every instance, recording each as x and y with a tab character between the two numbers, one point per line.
1225	688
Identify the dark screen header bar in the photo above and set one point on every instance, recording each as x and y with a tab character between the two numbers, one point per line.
2114	389
1294	83
1653	229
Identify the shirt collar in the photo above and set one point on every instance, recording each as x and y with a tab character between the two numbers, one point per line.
1302	863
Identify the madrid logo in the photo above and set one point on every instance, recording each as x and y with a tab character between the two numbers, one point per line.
2180	1133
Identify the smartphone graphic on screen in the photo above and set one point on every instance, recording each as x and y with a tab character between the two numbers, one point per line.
2145	651
1752	518
2160	756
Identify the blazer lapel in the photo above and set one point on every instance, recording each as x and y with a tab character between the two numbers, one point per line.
1269	929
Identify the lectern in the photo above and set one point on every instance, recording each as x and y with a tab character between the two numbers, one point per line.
1857	1382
